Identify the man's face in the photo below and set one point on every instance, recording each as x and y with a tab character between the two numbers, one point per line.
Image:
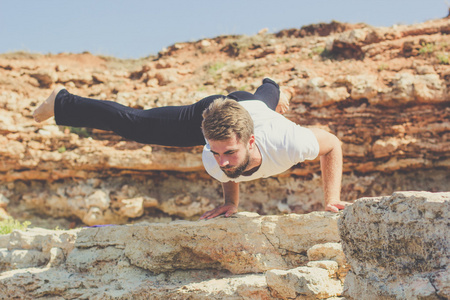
232	155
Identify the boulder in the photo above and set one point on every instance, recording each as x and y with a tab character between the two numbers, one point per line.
398	246
303	283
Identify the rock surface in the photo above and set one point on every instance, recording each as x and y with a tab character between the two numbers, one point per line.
383	91
398	247
223	258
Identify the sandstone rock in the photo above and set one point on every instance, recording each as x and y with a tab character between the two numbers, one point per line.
45	79
57	257
4	214
185	206
318	93
11	101
205	43
408	88
142	286
429	88
41	240
73	79
303	283
132	208
361	86
423	70
442	283
166	76
398	246
180	260
330	265
330	251
94	216
34	248
385	148
98	199
236	287
3	201
149	202
22	259
277	231
349	43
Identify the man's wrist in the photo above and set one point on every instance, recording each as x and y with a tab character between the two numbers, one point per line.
230	203
332	201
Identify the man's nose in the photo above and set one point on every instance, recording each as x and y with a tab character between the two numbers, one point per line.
223	162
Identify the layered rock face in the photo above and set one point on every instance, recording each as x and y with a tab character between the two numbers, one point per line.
383	91
398	247
243	257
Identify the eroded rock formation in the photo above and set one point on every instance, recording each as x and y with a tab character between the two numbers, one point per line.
394	247
223	258
383	91
398	247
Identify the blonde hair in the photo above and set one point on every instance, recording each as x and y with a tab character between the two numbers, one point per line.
225	117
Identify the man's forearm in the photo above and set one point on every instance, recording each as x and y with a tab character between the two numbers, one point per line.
330	152
331	166
231	197
231	193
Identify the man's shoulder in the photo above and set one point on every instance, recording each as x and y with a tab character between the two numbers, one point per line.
286	141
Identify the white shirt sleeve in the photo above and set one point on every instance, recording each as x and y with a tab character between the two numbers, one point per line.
303	144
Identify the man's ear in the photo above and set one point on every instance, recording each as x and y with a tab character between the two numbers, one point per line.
252	142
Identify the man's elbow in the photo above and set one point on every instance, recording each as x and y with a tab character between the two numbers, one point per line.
328	142
334	145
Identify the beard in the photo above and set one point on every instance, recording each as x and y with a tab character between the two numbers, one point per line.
235	172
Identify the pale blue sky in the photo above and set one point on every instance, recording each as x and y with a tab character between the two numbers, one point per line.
134	29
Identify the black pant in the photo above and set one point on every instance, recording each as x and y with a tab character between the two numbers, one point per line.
166	126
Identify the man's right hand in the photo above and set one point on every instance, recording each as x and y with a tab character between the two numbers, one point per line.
336	206
226	209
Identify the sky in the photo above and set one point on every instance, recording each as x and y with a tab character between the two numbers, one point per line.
136	28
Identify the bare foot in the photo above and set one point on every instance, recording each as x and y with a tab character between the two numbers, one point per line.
283	103
46	109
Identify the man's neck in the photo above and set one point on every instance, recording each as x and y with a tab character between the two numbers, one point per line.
255	161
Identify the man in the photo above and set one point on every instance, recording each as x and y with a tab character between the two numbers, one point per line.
245	137
247	140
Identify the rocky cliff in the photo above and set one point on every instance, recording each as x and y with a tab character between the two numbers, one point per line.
383	91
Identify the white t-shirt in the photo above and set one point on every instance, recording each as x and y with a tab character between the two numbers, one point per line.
282	144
